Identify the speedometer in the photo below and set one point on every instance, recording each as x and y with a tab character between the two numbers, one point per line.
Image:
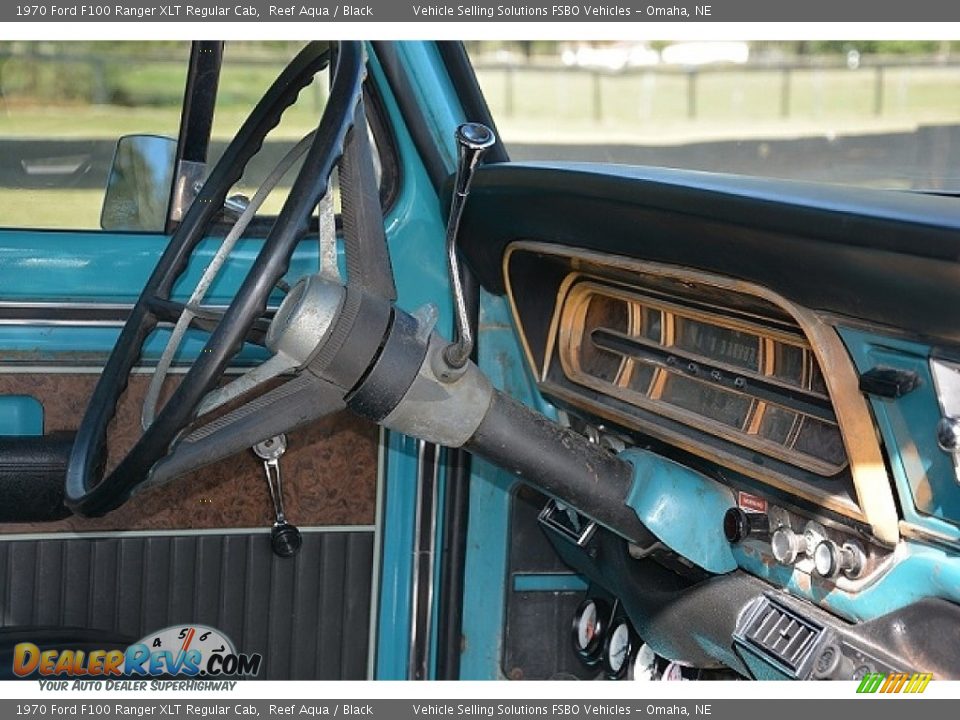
589	629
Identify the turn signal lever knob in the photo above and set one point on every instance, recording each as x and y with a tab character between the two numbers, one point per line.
739	525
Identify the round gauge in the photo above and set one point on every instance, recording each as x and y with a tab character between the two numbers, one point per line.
618	649
644	665
673	673
589	627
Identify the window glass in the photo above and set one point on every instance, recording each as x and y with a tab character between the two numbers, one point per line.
248	70
63	106
872	113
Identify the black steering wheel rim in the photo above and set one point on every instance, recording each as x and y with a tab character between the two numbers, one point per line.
87	492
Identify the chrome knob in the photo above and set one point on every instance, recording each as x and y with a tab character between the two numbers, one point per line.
475	136
787	545
831	560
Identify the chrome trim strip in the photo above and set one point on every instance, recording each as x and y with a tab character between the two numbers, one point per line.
25	304
100	534
424	560
91	370
46	322
373	640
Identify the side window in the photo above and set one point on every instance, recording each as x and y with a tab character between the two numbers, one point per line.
870	113
248	70
63	108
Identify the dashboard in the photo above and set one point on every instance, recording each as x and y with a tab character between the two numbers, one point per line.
727	380
716	370
698	326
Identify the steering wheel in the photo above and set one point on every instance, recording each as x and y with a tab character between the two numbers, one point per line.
190	430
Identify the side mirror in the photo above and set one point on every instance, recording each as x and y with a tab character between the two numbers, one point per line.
139	185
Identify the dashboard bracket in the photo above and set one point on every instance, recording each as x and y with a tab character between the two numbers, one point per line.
683	508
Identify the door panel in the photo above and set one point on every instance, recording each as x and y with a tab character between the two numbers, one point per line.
198	549
306	624
329	470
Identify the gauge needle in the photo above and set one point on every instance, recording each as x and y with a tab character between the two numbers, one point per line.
186	645
187	640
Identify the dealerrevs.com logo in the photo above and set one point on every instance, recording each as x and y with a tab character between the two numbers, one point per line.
191	651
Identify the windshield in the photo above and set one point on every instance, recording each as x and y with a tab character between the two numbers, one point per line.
882	114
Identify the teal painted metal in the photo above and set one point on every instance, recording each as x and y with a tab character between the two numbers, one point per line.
20	415
923	474
396	575
923	478
918	571
500	356
59	266
491	490
549	582
91	345
434	94
415	230
683	508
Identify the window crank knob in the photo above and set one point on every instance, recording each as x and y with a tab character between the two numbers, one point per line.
285	540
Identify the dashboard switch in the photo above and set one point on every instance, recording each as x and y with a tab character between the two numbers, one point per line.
832	664
830	559
739	525
787	545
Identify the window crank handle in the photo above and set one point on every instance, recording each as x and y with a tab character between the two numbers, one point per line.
285	538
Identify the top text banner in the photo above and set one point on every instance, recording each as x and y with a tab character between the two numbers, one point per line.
893	11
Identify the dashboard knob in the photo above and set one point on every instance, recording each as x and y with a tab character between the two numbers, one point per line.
739	525
830	559
787	545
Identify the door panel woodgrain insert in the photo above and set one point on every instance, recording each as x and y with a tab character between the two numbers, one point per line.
329	470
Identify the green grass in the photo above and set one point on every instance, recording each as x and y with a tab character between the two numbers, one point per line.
552	107
639	106
51	209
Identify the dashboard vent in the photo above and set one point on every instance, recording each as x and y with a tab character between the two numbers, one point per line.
781	634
